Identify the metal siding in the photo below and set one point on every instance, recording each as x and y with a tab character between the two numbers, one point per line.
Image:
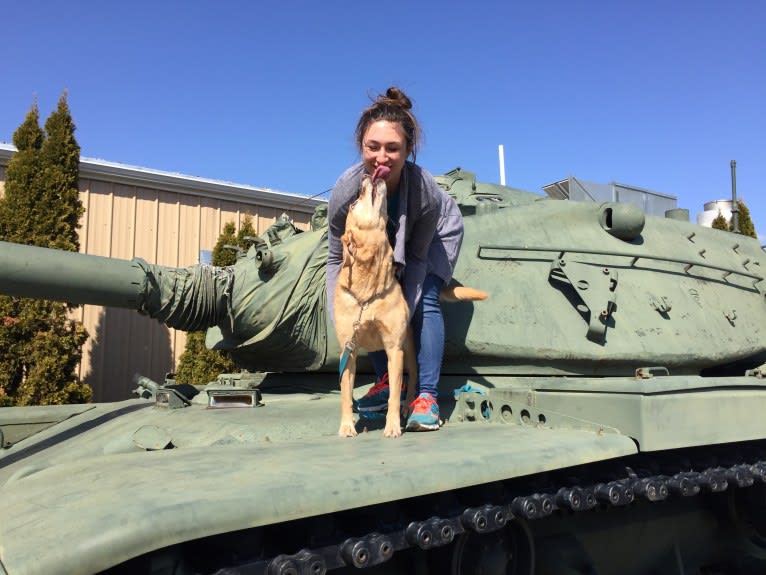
167	229
99	218
229	212
266	217
123	221
209	222
189	232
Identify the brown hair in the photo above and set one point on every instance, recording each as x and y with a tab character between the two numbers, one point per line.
393	107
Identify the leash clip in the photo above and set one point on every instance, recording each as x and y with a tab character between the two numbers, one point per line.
358	321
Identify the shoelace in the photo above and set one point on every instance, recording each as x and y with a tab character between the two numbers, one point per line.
381	385
421	404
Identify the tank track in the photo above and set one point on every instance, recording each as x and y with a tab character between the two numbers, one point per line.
652	478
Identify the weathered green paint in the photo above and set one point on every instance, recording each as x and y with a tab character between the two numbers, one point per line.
593	345
661	413
239	468
576	289
17	423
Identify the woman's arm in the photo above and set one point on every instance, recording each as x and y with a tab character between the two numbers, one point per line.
424	209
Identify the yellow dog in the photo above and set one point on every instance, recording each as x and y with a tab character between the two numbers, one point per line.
370	309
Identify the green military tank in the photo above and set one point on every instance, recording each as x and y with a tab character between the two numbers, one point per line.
605	413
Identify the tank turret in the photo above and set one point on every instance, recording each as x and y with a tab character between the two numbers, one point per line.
577	288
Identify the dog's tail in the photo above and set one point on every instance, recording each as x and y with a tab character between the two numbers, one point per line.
454	293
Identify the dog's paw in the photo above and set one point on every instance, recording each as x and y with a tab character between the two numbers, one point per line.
347	430
392	430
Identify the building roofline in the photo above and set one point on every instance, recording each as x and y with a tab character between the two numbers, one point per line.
192	185
559	189
645	190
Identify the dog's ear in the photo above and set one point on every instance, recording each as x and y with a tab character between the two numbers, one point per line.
349	249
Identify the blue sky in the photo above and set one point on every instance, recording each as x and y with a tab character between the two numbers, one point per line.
660	95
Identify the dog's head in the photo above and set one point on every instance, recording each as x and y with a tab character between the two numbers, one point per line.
369	211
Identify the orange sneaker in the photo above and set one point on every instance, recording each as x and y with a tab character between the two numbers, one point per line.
424	414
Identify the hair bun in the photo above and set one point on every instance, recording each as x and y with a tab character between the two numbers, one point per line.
396	97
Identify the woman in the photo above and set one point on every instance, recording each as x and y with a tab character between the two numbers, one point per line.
425	229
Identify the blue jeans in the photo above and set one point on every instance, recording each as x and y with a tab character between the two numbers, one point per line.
428	332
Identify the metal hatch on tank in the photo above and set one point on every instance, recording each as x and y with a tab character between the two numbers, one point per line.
605	413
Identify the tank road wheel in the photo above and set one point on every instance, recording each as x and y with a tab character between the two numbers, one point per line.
508	551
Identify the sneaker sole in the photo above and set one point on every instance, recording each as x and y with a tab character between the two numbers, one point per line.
418	426
379	407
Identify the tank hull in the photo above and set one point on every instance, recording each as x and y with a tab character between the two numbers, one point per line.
236	478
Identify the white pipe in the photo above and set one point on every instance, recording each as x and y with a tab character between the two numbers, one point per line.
501	155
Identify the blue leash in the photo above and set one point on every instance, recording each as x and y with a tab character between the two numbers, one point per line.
347	351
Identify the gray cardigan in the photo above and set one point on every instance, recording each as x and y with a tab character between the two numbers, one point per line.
429	230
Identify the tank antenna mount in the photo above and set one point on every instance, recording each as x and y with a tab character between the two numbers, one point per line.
734	204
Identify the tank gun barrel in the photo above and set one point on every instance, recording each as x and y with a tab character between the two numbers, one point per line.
40	273
189	299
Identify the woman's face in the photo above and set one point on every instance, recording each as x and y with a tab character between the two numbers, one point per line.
384	144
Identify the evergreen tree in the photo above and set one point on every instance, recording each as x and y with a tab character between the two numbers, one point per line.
720	223
61	160
223	256
40	346
745	223
18	206
199	365
746	226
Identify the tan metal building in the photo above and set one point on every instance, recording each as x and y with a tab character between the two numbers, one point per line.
164	218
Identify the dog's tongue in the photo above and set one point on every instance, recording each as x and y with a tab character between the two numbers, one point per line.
381	172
